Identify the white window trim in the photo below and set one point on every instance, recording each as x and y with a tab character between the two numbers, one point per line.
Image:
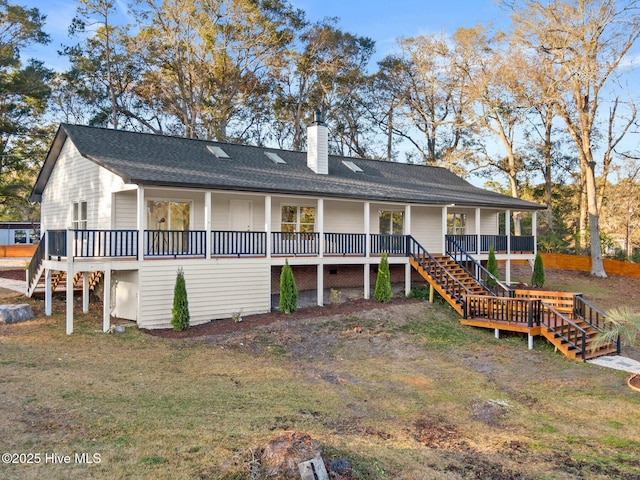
298	206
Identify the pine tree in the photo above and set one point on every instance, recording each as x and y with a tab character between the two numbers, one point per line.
492	268
382	292
537	278
180	311
288	290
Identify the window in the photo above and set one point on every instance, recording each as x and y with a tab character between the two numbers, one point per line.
19	236
391	222
456	223
167	215
217	151
79	216
352	166
296	218
275	158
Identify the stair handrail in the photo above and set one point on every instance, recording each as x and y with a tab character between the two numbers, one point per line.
412	242
579	343
36	260
458	250
601	322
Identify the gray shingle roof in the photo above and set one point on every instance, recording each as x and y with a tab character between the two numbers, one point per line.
148	159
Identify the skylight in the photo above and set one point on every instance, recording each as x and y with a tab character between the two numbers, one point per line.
275	158
352	166
217	151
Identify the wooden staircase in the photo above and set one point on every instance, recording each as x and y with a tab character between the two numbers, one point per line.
59	282
566	320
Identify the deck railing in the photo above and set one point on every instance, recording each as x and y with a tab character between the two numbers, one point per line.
175	243
594	317
563	327
485	278
295	243
450	284
57	243
345	244
389	244
515	311
519	243
105	243
38	255
237	244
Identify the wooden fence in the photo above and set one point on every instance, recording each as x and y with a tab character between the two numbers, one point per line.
14	251
583	264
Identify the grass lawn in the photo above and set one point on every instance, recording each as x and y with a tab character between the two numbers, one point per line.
401	392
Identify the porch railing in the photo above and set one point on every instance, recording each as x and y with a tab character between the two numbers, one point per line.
237	244
57	243
389	244
295	243
518	243
38	255
105	243
515	311
345	244
175	243
594	317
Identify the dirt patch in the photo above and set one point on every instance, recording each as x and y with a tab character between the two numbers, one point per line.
249	322
12	274
436	432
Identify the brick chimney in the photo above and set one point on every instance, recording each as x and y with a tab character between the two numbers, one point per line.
318	146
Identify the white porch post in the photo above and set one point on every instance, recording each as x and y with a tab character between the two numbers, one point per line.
478	245
48	294
267	223
320	266
530	342
85	292
70	275
507	225
207	224
407	267
534	231
444	229
367	250
140	221
106	306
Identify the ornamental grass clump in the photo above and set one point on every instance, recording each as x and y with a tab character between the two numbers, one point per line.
180	311
288	290
382	292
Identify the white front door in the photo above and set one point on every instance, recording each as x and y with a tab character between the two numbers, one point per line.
241	215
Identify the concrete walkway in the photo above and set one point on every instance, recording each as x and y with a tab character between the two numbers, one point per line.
15	285
617	362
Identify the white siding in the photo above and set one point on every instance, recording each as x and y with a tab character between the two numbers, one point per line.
426	227
125	210
215	289
488	222
74	179
220	218
343	217
125	294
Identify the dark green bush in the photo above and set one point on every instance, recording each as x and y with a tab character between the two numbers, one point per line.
288	290
180	311
492	267
382	292
537	278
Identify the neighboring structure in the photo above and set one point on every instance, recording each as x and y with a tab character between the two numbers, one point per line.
19	233
138	207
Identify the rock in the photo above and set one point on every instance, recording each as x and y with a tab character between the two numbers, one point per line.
15	313
284	453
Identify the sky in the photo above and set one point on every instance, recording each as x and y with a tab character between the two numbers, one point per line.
382	20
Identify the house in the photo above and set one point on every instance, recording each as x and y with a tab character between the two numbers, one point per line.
138	207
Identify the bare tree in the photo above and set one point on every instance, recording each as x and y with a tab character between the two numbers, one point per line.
585	40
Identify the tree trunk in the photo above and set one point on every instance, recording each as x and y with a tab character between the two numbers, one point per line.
597	267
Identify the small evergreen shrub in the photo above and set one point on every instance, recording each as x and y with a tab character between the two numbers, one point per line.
288	290
537	278
420	293
492	267
382	292
180	311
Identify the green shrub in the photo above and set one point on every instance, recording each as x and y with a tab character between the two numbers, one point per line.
288	290
492	267
382	292
421	293
537	278
180	311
